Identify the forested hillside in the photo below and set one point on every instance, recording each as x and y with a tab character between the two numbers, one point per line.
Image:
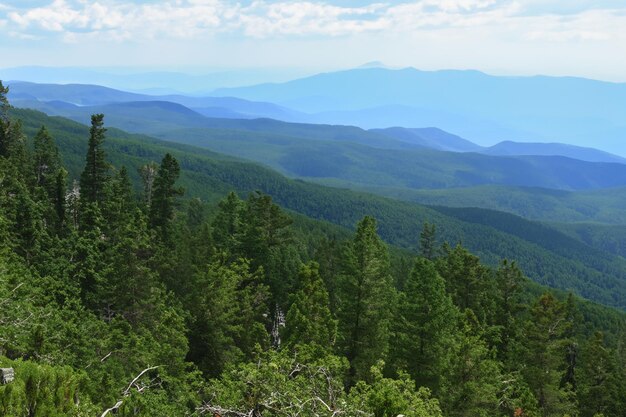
210	176
348	156
121	295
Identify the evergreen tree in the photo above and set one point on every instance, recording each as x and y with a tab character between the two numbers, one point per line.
96	173
365	300
428	243
227	226
424	326
470	283
119	207
46	160
309	320
129	284
228	316
164	193
50	178
265	240
544	352
148	174
473	379
600	383
509	281
4	102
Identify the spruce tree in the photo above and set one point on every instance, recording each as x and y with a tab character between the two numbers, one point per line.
309	320
365	300
423	327
96	172
472	382
227	226
428	243
600	383
543	350
163	196
470	283
50	179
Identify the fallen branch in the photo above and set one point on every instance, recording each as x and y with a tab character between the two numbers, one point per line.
127	391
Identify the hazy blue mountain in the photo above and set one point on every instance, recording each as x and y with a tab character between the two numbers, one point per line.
571	151
431	137
556	109
93	95
435	138
150	81
164	116
349	156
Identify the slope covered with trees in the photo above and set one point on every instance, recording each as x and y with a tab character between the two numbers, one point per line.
210	176
124	298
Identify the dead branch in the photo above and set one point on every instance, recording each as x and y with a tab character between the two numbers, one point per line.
127	391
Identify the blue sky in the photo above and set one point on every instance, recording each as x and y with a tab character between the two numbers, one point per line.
565	37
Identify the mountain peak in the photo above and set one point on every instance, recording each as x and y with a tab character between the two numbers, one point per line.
374	64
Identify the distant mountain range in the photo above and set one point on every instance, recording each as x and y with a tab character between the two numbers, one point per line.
480	107
150	81
27	93
387	161
149	114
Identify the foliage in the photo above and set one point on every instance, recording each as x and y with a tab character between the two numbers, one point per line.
156	305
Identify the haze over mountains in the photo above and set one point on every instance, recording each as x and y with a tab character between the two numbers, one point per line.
379	160
480	107
424	164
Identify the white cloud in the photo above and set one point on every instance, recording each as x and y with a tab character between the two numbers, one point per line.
593	26
174	20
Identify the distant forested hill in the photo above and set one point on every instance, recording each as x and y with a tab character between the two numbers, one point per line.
601	206
209	176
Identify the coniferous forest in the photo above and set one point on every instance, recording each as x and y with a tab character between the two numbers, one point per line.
129	298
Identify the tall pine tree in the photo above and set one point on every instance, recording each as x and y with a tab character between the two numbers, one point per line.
365	299
96	173
424	326
309	320
163	196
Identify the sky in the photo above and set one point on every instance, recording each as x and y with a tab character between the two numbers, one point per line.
555	37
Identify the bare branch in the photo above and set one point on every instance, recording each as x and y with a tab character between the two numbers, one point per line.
114	408
127	391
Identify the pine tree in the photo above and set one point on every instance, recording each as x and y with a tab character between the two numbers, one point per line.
544	352
229	316
600	383
96	173
266	241
119	207
163	196
424	326
46	160
470	283
428	244
473	379
309	320
128	285
228	226
50	179
509	281
148	174
365	300
4	102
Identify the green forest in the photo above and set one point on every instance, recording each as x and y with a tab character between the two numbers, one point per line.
122	293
